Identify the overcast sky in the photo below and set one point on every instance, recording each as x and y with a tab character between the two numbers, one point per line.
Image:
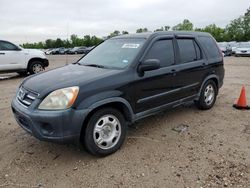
33	20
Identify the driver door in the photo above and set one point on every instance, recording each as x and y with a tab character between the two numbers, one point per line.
155	88
11	57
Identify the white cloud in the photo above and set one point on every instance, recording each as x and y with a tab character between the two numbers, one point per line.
29	20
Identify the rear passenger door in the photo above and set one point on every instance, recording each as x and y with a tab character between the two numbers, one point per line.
189	71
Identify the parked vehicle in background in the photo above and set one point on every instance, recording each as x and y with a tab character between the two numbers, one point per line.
81	50
225	48
14	58
124	79
61	50
73	50
48	51
234	46
88	49
243	49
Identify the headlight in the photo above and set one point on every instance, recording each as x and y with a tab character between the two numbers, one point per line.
60	99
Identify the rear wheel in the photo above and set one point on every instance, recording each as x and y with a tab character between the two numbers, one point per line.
105	132
207	96
36	67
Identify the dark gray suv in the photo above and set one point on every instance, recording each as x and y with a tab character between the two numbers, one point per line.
122	80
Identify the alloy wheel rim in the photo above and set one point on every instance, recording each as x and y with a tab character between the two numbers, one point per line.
107	131
209	94
37	68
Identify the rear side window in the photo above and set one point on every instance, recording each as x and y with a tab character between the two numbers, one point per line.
210	47
189	50
162	50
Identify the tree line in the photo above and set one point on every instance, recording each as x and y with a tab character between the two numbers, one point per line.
237	30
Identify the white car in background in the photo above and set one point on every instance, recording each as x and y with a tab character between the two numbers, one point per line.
243	49
13	58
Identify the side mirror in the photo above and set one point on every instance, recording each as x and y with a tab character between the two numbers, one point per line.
148	65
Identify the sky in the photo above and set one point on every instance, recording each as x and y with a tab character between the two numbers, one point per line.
32	20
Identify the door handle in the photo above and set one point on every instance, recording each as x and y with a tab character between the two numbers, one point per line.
1	53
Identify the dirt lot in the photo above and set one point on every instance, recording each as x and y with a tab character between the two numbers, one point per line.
213	150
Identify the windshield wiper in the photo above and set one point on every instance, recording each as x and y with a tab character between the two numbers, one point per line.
95	65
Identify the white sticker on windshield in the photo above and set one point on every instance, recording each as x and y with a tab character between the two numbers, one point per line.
125	61
130	45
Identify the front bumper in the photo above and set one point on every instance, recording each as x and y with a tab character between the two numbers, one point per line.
242	53
56	126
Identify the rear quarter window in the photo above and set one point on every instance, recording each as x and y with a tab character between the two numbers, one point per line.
210	46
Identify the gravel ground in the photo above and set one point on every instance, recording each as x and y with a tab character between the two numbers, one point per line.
183	147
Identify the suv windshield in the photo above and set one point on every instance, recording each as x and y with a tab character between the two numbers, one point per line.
113	53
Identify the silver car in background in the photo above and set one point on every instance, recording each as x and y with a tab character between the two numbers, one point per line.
243	49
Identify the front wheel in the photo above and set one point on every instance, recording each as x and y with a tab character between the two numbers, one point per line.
105	132
207	96
36	67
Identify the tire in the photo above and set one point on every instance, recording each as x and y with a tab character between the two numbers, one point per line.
35	67
207	96
105	132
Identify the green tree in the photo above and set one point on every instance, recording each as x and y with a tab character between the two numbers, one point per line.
49	43
217	32
86	41
115	33
142	30
186	25
160	29
58	43
235	29
246	25
165	28
125	32
239	28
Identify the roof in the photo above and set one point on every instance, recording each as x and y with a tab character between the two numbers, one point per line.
152	34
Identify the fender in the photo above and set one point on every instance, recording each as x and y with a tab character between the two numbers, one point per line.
205	80
103	98
44	61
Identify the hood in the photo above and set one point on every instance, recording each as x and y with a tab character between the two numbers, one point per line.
34	53
67	76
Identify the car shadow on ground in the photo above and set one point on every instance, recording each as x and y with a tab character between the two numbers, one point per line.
10	76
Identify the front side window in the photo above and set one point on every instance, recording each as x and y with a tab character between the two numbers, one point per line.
162	50
113	53
7	46
188	50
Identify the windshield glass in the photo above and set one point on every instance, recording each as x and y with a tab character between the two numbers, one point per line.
113	53
245	45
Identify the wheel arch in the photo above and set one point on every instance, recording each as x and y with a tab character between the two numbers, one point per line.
213	77
43	61
117	103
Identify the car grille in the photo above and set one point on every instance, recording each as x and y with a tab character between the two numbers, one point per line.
26	97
